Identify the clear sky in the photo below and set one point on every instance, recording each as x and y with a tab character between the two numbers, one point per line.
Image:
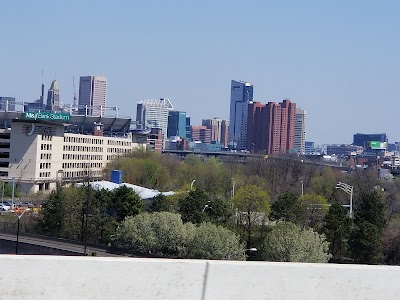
338	60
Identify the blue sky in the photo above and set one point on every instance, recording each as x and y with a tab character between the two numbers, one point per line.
339	60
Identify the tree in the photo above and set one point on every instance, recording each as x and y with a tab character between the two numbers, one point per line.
164	234
391	241
215	242
253	206
288	242
365	244
160	203
125	202
324	184
160	233
192	206
337	226
312	210
286	208
366	237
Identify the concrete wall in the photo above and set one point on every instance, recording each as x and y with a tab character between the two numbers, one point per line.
50	277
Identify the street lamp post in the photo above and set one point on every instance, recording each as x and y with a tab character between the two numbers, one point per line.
19	219
347	188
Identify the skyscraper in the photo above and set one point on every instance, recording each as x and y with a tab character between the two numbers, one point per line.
152	113
215	125
224	133
241	95
53	97
300	131
92	93
176	124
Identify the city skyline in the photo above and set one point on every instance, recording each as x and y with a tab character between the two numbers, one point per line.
329	58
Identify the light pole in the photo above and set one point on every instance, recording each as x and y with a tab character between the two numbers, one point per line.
347	188
19	219
302	188
191	185
233	187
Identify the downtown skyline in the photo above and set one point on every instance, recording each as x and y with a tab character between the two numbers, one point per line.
336	60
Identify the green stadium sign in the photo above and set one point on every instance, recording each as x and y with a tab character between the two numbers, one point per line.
377	145
47	116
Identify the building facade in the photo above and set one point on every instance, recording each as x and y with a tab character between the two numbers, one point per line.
363	139
201	134
176	124
224	133
271	127
241	95
218	128
93	95
37	154
300	131
153	113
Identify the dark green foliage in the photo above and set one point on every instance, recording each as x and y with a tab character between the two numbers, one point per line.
197	208
160	203
286	208
125	202
365	244
366	237
371	210
337	226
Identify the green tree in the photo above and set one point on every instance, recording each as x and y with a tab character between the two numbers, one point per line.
160	233
324	184
313	210
192	206
365	244
391	241
215	242
337	226
125	202
253	207
288	242
160	203
286	208
366	237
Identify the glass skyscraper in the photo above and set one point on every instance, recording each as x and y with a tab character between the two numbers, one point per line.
241	95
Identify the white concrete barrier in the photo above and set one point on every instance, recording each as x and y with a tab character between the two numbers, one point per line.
56	277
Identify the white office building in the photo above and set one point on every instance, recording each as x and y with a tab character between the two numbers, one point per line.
153	113
37	154
300	131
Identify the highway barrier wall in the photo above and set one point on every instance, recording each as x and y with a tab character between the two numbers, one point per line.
53	277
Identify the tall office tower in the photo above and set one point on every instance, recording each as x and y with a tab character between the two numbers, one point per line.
7	103
271	127
225	133
153	113
92	95
201	134
53	97
241	95
215	125
176	124
300	131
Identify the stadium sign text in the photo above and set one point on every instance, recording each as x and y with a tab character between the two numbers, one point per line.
48	116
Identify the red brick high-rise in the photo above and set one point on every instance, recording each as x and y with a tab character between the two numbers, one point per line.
270	127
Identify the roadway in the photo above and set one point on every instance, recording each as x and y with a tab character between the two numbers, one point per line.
74	248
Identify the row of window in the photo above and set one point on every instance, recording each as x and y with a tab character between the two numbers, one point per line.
45	166
44	174
73	174
46	147
83	140
47	138
45	156
82	157
82	148
81	165
118	150
118	143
